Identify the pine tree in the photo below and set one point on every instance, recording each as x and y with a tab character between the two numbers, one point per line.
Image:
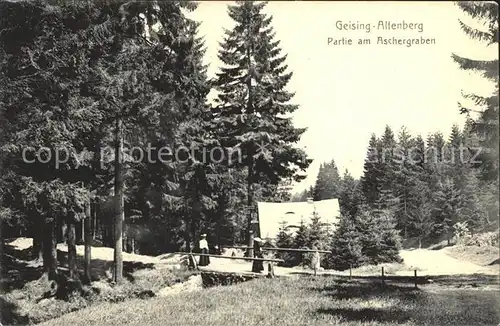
389	160
328	182
351	196
407	173
93	86
380	241
470	211
370	180
446	205
48	113
252	110
300	241
284	240
486	126
317	236
420	219
346	246
456	164
390	243
300	196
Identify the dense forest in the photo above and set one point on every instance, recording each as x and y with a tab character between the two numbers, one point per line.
85	85
107	138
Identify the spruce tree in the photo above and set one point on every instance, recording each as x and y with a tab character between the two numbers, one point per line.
407	173
50	112
300	241
371	179
446	206
420	218
317	236
252	110
284	240
328	182
346	246
389	161
379	239
486	125
351	196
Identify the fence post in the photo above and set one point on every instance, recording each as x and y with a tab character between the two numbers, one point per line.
250	252
415	273
350	271
192	262
383	276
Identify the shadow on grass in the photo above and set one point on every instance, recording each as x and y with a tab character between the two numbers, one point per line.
369	315
459	280
17	268
102	269
9	314
397	303
344	289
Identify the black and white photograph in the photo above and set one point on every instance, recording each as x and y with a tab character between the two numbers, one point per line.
251	163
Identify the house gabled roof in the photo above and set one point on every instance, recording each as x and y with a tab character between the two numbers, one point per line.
271	215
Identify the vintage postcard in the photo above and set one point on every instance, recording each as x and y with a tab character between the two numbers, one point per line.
249	163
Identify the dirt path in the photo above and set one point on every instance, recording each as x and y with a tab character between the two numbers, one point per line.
437	262
427	262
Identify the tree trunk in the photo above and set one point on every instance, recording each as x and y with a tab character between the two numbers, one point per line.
37	244
220	219
94	219
50	250
249	207
125	246
88	242
73	271
2	244
119	204
62	232
82	236
420	243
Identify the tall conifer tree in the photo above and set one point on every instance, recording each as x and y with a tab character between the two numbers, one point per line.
253	106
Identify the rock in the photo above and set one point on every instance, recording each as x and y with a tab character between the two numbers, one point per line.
145	294
101	287
67	288
46	302
194	283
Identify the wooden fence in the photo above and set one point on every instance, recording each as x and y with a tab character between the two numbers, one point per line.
288	250
195	265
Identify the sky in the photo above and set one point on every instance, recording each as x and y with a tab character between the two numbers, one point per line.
346	93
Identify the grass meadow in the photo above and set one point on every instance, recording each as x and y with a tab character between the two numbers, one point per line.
306	300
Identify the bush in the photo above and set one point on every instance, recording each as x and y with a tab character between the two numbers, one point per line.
482	240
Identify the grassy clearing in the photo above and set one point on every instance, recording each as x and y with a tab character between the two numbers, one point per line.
303	301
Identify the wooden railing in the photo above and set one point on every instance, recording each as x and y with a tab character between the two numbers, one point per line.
281	249
195	265
286	249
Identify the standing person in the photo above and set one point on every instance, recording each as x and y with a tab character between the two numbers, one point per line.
258	265
204	260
